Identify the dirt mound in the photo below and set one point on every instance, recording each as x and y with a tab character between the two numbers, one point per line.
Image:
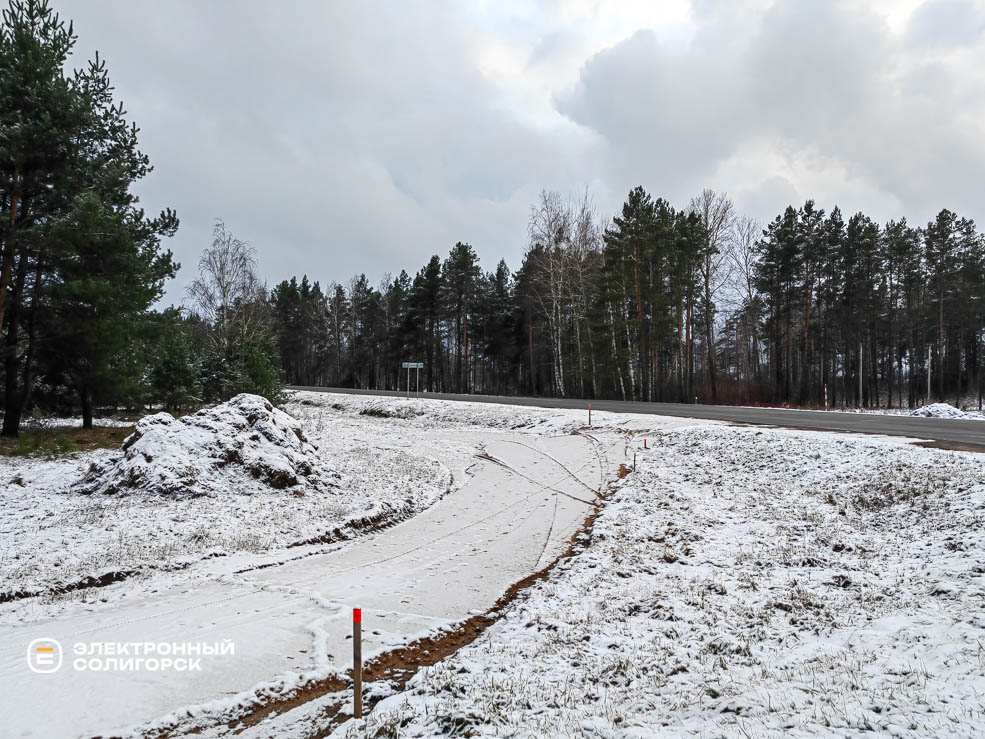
244	445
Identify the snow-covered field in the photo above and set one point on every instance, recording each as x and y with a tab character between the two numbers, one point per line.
57	529
742	583
385	459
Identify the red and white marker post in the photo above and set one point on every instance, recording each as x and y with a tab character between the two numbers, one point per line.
357	663
825	396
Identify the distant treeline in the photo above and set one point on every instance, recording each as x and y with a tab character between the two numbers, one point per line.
688	304
666	304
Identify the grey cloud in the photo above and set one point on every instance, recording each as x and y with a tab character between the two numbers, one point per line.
946	23
336	137
826	83
342	137
765	198
814	67
658	112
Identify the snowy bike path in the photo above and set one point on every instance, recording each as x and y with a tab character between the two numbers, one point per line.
290	622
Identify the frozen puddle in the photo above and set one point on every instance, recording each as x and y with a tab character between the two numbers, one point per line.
526	498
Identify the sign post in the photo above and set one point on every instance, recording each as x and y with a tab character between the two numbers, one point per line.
416	366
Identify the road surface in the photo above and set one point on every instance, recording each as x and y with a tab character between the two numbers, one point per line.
527	495
949	433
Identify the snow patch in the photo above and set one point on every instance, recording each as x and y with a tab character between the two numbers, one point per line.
943	410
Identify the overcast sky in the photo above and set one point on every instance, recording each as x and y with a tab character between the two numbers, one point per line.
346	137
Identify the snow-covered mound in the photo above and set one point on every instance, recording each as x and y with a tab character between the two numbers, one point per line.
388	408
942	410
244	445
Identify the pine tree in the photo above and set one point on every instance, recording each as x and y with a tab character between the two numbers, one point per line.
107	270
173	368
68	158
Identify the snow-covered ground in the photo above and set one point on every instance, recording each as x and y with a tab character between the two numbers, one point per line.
389	458
742	583
287	612
931	410
56	532
943	410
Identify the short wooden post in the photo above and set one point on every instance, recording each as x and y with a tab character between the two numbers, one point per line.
357	663
634	461
589	414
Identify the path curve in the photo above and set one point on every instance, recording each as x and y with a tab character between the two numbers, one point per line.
451	561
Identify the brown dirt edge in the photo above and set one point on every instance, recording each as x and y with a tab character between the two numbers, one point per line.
400	665
350	530
108	578
91	581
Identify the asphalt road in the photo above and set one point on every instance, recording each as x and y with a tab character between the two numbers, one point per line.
946	433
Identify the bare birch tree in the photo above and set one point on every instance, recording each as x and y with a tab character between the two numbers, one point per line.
718	217
549	231
740	289
227	294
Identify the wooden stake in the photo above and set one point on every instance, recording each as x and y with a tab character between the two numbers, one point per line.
357	663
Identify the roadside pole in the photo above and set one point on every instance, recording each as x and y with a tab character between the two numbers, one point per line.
589	415
929	367
860	375
825	396
417	366
357	661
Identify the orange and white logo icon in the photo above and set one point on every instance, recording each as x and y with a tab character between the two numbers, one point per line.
44	655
